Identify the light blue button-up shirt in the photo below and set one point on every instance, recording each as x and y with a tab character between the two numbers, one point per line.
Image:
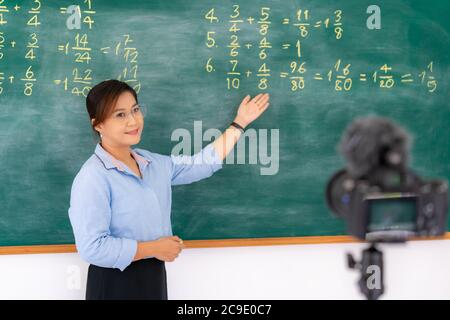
112	209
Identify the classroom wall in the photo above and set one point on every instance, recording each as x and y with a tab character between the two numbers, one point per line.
416	270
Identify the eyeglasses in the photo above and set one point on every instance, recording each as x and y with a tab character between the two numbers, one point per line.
138	111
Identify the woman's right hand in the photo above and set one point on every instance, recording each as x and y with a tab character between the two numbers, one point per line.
168	248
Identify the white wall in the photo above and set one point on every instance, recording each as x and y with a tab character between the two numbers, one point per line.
416	270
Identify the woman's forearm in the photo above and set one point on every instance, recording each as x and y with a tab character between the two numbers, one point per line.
249	110
225	143
145	249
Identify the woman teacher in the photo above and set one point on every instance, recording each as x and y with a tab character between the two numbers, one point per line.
121	198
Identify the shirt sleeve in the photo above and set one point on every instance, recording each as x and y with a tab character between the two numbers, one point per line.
188	169
90	216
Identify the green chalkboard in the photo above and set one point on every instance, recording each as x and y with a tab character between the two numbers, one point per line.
194	61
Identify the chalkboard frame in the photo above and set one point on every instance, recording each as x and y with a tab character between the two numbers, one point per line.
223	243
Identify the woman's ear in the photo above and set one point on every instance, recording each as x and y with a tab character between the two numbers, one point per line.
96	127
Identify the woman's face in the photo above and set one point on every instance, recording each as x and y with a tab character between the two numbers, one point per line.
125	125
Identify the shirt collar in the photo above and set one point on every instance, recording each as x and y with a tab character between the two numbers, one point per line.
109	161
140	159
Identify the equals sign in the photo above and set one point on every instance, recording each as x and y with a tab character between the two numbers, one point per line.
63	10
362	77
286	21
283	74
407	78
286	46
318	76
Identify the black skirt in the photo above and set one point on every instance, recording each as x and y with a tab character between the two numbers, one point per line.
142	279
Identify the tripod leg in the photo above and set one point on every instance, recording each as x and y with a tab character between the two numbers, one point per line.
372	282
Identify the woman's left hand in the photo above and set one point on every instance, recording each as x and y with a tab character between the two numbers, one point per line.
250	110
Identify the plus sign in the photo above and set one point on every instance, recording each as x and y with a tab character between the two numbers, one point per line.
13	44
250	20
11	79
248	45
16	7
248	73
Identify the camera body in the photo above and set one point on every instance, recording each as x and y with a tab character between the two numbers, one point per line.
390	214
380	198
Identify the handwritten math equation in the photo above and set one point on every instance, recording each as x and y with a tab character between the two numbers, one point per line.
338	75
78	54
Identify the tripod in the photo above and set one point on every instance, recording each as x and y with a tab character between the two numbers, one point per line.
371	282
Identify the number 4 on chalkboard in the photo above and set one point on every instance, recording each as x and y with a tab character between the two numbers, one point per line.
210	16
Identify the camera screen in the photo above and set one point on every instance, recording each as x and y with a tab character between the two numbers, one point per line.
392	214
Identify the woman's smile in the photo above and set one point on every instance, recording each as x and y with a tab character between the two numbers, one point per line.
133	133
